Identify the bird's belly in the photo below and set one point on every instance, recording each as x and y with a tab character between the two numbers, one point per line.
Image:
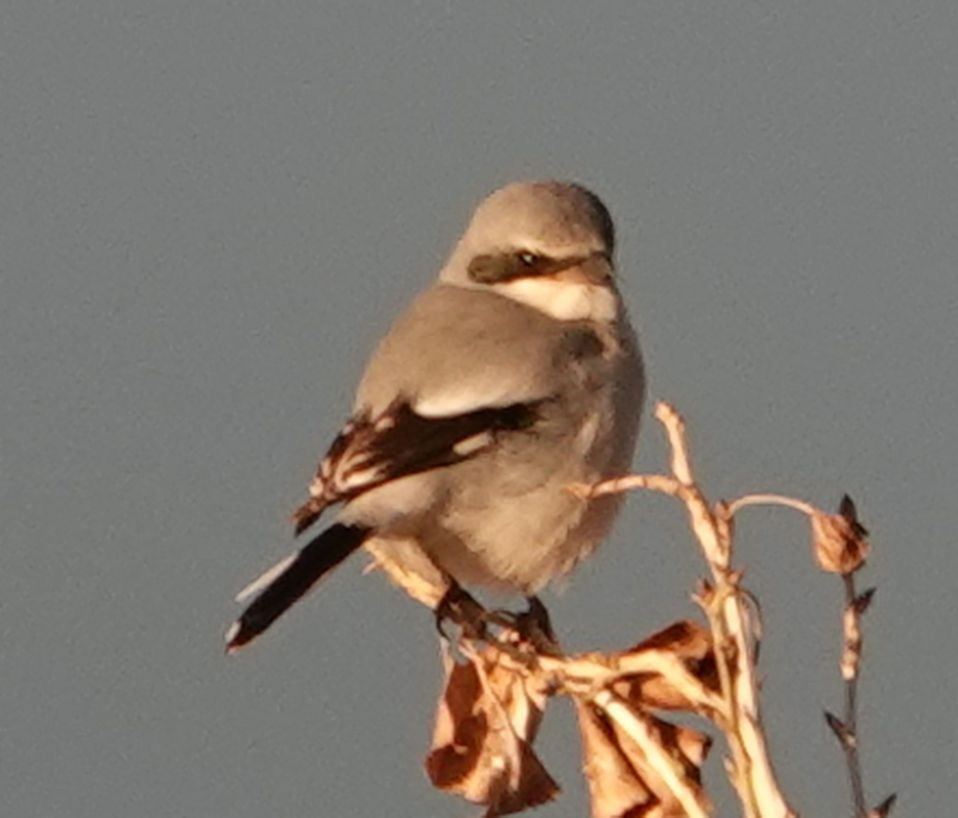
517	543
505	521
510	522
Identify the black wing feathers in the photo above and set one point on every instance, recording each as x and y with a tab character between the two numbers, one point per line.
398	443
414	443
367	453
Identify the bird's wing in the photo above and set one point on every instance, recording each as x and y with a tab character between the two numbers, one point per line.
456	350
458	368
372	450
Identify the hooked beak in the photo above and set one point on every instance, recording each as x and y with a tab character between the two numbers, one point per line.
594	269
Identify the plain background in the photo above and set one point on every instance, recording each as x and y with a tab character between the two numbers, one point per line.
209	211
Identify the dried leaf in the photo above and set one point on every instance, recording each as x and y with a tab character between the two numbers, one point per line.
838	540
840	729
884	808
847	509
685	674
864	600
622	782
487	719
615	790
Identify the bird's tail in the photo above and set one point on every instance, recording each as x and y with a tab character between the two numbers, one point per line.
284	583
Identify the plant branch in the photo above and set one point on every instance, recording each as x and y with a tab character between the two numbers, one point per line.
636	761
771	500
851	662
724	602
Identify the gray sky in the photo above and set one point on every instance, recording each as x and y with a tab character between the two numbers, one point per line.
208	213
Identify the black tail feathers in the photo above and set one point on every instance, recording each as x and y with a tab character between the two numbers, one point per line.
293	578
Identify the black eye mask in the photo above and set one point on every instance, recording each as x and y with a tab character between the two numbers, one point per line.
504	267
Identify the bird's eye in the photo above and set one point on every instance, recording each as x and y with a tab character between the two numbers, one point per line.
528	259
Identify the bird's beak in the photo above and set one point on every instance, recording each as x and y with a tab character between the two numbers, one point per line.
595	269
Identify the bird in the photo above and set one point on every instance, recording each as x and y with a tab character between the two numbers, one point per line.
511	379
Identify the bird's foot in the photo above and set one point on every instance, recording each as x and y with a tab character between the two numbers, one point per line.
522	636
461	608
533	626
536	625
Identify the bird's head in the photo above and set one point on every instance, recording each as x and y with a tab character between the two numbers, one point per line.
548	245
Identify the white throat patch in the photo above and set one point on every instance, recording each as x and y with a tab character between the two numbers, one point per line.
563	300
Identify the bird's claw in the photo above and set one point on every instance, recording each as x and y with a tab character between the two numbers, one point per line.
460	607
535	627
531	628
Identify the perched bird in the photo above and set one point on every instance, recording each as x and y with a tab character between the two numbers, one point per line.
512	378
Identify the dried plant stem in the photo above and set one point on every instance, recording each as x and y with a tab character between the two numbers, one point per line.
582	675
850	665
635	758
771	500
516	680
846	729
751	768
754	776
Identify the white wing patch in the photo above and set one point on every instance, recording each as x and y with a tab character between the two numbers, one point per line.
461	402
473	444
350	477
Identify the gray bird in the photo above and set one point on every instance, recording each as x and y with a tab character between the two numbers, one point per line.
514	377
